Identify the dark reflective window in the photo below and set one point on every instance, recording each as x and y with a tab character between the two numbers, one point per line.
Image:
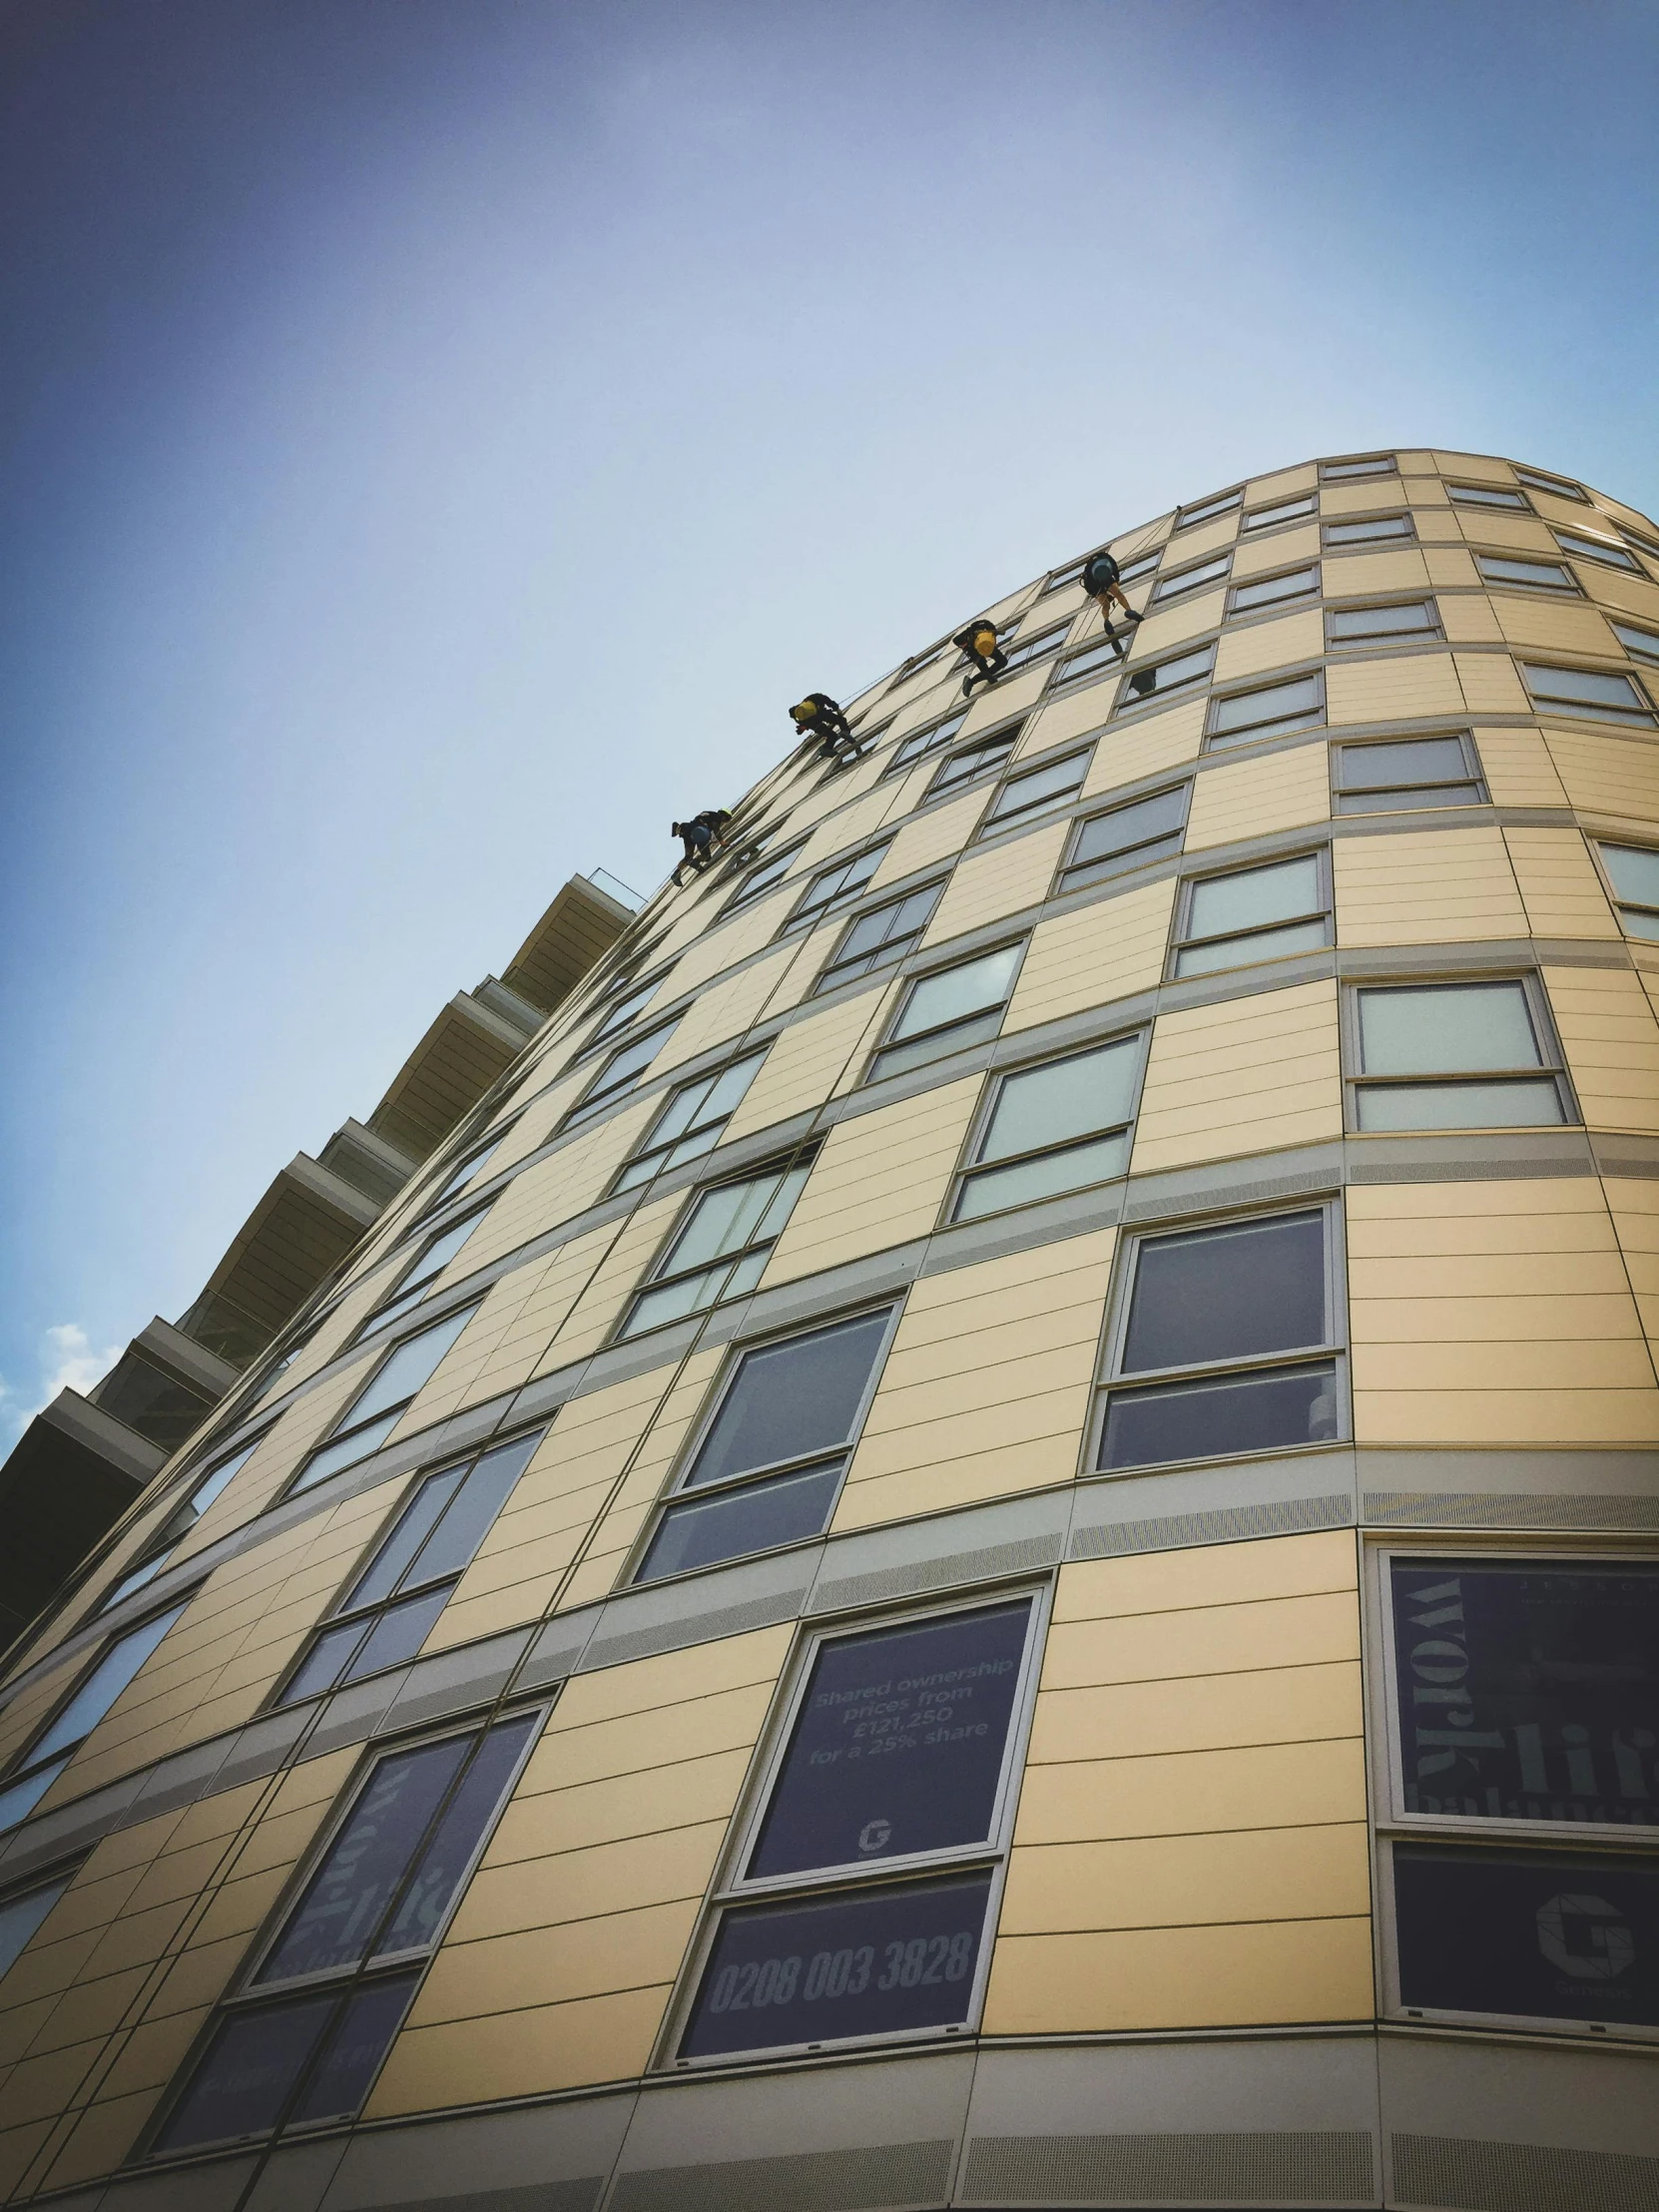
1534	1935
363	2027
1405	772
1126	837
703	1531
877	940
249	2072
878	1961
899	1744
1528	1691
1267	1410
1221	1294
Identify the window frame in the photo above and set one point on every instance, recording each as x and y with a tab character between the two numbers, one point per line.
1569	588
1181	919
887	1041
992	823
1333	1353
599	1096
943	785
970	1168
1474	774
643	1150
152	1557
1312	590
807	912
413	1285
342	1427
1329	523
1218	739
747	888
730	1889
658	1274
1552	1065
1560	487
1494	499
1644	656
1207	510
1208	572
472	1158
1616	898
1128	700
31	1760
828	979
1072	866
1642	714
57	1879
1295	507
1604	553
1349	468
1045	641
941	732
1431	631
678	1486
621	1008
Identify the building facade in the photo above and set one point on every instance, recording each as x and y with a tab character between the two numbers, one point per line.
987	1535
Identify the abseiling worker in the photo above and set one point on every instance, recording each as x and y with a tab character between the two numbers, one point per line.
1102	580
698	837
978	642
819	716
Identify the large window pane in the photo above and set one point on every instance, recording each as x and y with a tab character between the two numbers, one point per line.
1583	690
1523	1104
1350	625
1270	590
412	1365
1446	1028
877	940
1269	1409
791	1398
1041	787
1227	1293
1641	645
702	1532
1284	510
1539	575
1167	676
1399	763
1267	710
1369	531
899	1744
362	2034
1528	1690
1596	549
1484	495
1261	944
1535	1935
1254	896
1144	829
1634	872
103	1686
249	2073
958	992
1046	1175
448	1854
878	1961
1064	1099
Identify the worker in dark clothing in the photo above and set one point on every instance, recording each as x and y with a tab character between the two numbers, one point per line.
698	839
978	642
817	716
1102	581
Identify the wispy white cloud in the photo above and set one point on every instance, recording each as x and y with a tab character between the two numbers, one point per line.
68	1362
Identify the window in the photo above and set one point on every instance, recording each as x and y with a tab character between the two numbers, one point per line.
1053	783
380	1405
1640	538
1536	480
764	874
983	758
1091	661
434	1256
305	2038
926	741
1162	676
1641	645
837	886
1484	1044
1522	1692
949	1010
1126	837
1591	692
1367	530
1272	591
1597	549
1058	1127
38	1766
621	1072
1505	568
879	938
693	1122
1386	777
391	1608
1131	571
1194	578
1361	625
1208	1321
721	1248
1633	872
1057	579
467	1165
21	1914
1369	464
1485	495
178	1523
1026	650
1254	914
804	1948
1207	509
1269	710
1281	510
770	1463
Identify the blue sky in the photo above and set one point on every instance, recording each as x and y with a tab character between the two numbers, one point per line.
439	436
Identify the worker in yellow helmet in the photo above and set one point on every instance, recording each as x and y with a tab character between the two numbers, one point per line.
817	716
978	642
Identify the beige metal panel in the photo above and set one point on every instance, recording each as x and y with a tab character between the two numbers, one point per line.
1560	886
812	1059
1554	625
1635	1210
525	2054
1359	575
1616	777
1146	747
618	1808
1285	483
1469	619
1506	533
721	1014
1362	496
1425	492
1093	955
725	1720
1191	1793
615	1274
932	837
1252	798
668	1868
1416	463
1612	1040
1260	556
1013	695
849	825
1206	1639
1275	1873
1003	879
1490	684
1141	540
1626	595
987	1388
921	701
1451	567
1518	769
554	1190
1493	1314
1171	626
877	1181
1208	537
275	1456
1425	887
1398	687
1245	1075
748	931
1474	468
1279	1705
580	1959
1267	645
1170	1977
1074	714
1207	1574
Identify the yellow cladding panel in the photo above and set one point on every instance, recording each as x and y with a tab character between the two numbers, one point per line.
1518	769
1474	468
1355	575
1451	567
1188	618
1013	696
554	1190
1190	1793
1251	798
808	1061
932	837
1277	549
1490	684
1247	1075
546	2048
748	931
877	1181
1399	686
1560	886
1139	748
1618	776
1285	483
1425	887
1135	1720
1093	955
1635	1209
1004	879
1612	1040
1493	1314
1211	1574
1506	533
1469	620
1260	646
1208	537
1362	496
721	1014
1426	493
1258	1973
1626	595
987	1389
1554	626
1275	1873
1204	1639
1073	715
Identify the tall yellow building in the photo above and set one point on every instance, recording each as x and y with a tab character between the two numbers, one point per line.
987	1537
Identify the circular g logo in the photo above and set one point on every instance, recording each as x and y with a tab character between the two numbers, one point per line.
1585	1936
875	1836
